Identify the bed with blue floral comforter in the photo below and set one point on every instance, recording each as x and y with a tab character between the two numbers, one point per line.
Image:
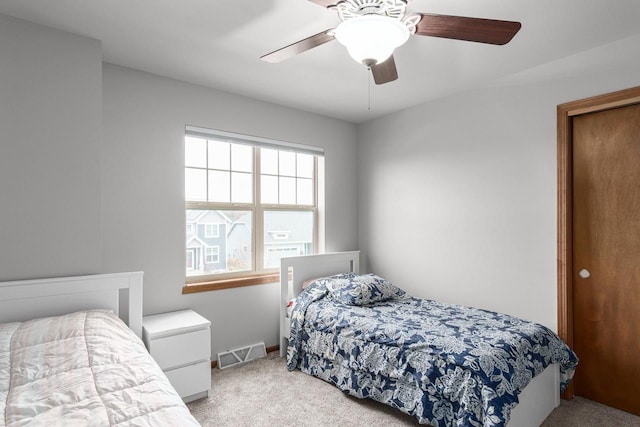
448	365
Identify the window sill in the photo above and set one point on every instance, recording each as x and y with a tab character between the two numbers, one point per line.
216	285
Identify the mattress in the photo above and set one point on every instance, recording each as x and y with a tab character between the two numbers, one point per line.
82	369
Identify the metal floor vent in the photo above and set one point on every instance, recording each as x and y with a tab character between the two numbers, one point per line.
241	355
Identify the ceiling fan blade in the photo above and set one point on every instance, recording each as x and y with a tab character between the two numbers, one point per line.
385	72
470	29
299	47
325	3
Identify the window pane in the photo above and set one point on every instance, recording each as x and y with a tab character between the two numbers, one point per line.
219	155
195	152
195	184
305	166
241	187
287	163
305	191
211	230
269	189
241	158
269	161
229	251
287	233
212	255
287	191
219	186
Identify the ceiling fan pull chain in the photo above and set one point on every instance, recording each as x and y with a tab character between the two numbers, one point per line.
369	88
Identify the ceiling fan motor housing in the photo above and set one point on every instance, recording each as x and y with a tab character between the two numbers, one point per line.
396	9
348	9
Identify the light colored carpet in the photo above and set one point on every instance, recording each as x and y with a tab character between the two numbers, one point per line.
581	412
264	393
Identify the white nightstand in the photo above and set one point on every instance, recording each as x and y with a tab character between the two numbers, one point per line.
180	342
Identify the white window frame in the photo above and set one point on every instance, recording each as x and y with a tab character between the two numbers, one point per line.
256	207
215	226
215	257
279	235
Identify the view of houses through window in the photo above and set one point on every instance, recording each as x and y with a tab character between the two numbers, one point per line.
246	207
233	240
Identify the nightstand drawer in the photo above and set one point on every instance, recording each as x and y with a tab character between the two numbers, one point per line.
192	379
178	350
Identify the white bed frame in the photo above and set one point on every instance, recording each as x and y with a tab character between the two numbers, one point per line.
29	299
537	400
294	271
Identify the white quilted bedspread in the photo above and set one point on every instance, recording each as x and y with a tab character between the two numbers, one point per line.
82	369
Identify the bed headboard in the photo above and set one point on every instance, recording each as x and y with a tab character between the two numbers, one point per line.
302	268
294	271
28	299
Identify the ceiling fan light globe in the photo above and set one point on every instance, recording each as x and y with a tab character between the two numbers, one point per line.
371	39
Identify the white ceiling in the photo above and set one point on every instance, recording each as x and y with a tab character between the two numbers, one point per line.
218	44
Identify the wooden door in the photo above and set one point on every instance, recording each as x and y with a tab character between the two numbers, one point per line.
606	256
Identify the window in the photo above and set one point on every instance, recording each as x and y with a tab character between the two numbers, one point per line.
296	240
211	230
212	255
248	202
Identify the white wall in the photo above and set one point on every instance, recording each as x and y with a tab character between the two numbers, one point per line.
143	191
50	122
458	196
91	184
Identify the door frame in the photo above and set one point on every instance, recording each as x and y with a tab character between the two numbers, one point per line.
566	112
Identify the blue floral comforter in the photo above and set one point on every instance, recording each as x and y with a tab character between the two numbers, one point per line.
448	365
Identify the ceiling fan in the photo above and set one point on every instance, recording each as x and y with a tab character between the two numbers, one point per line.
372	29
